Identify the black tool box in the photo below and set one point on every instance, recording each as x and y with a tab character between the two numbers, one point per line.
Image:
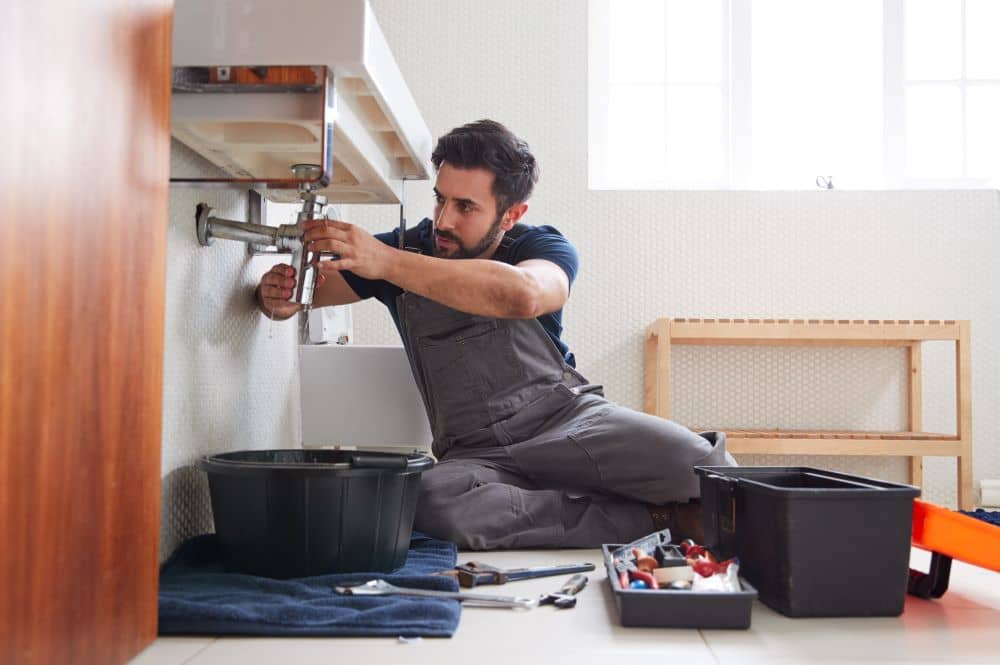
679	609
813	542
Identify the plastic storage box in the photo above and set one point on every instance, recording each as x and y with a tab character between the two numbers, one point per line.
295	513
948	535
814	542
679	609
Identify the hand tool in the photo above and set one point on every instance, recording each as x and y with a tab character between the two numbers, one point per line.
565	596
642	575
647	544
644	561
622	568
383	588
474	573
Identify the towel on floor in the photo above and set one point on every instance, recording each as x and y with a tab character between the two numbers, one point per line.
199	597
988	516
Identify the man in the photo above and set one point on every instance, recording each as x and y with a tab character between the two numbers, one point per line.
530	453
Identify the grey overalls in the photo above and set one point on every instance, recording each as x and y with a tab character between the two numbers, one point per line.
531	454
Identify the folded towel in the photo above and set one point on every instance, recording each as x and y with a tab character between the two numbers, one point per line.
988	516
199	597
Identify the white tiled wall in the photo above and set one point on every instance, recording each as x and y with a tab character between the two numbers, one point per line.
230	376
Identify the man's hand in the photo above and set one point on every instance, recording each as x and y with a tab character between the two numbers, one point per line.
275	289
359	251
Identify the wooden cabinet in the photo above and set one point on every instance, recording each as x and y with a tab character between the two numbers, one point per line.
84	125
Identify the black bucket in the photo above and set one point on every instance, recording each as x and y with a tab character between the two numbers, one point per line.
296	513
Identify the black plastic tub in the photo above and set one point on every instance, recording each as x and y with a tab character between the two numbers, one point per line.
296	513
814	543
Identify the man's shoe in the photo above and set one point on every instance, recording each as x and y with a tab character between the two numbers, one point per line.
683	520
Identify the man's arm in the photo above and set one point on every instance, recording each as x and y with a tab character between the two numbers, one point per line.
476	286
487	288
332	288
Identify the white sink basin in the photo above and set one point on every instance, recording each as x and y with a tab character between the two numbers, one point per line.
379	136
362	396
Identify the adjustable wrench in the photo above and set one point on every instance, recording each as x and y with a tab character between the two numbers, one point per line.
475	573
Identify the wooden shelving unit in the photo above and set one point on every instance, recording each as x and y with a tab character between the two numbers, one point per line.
914	443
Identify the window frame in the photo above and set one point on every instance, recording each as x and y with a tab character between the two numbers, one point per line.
737	96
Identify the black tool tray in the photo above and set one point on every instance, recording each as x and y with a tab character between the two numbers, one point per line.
679	609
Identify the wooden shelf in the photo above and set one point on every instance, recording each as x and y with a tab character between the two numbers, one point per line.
837	434
663	333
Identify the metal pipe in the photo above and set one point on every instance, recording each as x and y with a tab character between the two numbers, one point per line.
228	229
209	227
304	260
286	238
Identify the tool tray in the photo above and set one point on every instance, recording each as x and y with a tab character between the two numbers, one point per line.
950	535
679	609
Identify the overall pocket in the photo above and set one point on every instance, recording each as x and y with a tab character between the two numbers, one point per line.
532	417
489	357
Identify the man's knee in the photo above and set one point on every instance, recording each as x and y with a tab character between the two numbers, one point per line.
438	522
718	456
439	506
668	471
469	505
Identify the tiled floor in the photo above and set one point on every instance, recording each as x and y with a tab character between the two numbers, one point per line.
961	627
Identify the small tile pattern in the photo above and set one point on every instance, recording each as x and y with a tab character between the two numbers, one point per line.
230	375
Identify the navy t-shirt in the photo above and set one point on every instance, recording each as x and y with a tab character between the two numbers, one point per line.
535	242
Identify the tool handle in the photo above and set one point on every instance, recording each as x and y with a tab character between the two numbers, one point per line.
546	571
383	588
645	577
482	600
377	461
574	584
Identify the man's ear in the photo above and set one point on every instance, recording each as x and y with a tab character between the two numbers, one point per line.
513	214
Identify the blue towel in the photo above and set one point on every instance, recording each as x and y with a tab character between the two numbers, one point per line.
988	516
198	597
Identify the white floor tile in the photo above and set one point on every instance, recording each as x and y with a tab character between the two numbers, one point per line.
963	626
501	649
171	650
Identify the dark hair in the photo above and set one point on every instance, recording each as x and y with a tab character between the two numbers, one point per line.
488	144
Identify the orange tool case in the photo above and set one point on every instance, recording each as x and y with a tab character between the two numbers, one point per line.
948	535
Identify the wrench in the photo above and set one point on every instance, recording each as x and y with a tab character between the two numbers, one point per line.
475	573
383	588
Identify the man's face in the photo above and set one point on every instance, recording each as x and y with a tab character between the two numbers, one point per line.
467	224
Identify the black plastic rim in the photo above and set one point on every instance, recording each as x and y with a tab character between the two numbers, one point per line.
319	461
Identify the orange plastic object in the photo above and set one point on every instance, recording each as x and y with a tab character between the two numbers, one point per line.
956	535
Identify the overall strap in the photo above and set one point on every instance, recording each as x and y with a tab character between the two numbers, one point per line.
509	237
411	240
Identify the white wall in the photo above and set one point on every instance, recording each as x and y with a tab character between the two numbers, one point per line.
230	377
884	255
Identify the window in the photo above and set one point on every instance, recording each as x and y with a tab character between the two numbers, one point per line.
769	94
